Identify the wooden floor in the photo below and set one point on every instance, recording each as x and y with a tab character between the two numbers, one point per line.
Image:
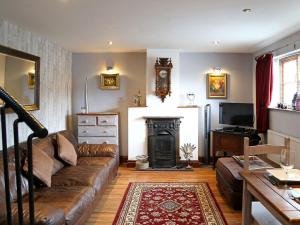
105	211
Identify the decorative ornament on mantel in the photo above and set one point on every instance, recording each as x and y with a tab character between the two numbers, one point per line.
163	68
137	99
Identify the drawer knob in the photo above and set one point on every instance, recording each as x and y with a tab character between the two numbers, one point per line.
105	142
85	131
104	121
84	121
85	142
105	132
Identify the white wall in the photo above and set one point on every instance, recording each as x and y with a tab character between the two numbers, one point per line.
283	121
132	69
137	72
195	66
55	78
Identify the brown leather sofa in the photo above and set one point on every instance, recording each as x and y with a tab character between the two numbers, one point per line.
75	190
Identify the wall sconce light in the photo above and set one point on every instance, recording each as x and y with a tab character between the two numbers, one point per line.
217	71
109	70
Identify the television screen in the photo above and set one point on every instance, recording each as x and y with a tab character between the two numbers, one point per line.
239	114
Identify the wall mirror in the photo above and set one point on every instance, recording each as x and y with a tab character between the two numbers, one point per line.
20	76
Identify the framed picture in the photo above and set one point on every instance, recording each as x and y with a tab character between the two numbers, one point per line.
110	81
31	80
216	86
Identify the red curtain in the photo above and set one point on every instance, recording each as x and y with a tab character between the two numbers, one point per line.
264	86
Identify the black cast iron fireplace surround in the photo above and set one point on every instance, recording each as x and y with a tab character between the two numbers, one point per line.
163	141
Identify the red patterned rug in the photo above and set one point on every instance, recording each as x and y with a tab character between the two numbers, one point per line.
169	204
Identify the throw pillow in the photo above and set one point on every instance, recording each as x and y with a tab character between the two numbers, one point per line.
66	150
57	166
42	165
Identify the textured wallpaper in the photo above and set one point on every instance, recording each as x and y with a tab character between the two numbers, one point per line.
55	79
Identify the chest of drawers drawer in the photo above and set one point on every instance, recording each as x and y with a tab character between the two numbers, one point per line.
107	120
87	131
87	120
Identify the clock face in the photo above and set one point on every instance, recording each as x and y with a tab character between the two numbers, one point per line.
163	74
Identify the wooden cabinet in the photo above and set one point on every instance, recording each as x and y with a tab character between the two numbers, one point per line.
232	142
98	128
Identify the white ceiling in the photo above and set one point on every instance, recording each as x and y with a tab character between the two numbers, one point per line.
134	25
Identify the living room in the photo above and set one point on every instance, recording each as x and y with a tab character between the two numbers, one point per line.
131	67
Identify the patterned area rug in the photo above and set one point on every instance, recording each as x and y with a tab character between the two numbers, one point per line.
169	204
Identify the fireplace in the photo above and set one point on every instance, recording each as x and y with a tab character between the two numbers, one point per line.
163	141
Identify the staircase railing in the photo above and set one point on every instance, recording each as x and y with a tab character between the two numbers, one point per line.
23	116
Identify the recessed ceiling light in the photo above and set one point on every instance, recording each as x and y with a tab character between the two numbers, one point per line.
247	10
216	42
109	42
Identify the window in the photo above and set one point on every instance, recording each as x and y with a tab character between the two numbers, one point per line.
286	79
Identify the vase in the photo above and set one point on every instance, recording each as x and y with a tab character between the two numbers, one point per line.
191	97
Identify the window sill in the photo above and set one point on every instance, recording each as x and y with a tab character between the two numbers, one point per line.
284	110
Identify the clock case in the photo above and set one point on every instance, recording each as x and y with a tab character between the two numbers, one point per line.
163	67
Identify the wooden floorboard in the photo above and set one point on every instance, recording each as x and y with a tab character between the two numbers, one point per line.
107	207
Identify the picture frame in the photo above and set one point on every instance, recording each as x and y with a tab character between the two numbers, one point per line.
31	80
110	81
216	86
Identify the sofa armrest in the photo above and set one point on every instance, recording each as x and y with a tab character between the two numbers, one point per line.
98	150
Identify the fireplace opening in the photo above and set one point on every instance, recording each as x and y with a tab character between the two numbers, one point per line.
163	141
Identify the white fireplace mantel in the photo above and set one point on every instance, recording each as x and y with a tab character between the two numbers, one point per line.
137	130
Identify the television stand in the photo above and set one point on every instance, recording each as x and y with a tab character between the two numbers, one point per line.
232	141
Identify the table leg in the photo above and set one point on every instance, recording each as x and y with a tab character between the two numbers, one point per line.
247	202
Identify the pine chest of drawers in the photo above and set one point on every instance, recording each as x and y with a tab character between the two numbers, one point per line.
98	128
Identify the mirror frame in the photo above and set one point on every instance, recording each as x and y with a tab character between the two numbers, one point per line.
36	60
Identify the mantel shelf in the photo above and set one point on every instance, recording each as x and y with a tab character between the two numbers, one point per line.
162	117
189	106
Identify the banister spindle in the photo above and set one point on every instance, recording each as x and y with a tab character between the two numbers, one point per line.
5	166
30	179
18	171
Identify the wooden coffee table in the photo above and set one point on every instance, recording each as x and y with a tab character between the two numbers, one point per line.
273	198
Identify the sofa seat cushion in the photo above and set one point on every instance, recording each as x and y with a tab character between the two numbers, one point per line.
44	214
73	200
96	161
230	170
95	177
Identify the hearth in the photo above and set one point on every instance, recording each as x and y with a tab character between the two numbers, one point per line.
163	141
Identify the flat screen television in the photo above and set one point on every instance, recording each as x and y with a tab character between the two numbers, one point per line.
238	114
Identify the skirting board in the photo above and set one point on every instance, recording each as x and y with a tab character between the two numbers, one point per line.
131	163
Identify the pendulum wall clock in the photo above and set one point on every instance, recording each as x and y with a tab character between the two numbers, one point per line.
163	68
